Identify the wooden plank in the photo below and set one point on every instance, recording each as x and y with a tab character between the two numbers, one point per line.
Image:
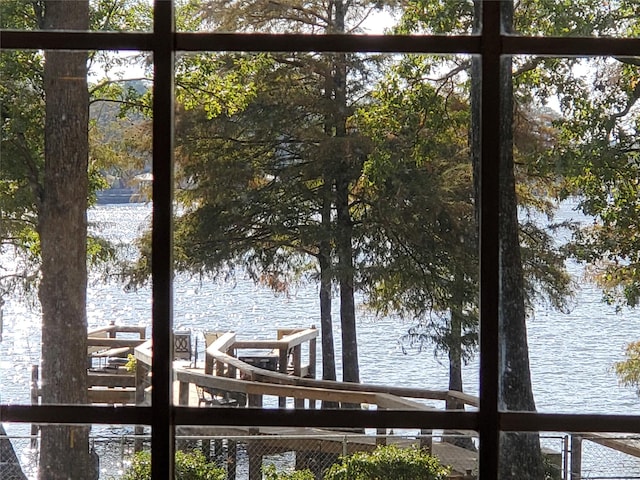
260	344
258	388
300	337
112	395
223	343
141	331
388	401
143	353
97	334
465	397
211	336
111	380
276	377
112	352
617	443
210	381
262	375
114	342
309	392
102	332
282	332
248	370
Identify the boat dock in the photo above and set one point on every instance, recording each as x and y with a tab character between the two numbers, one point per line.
269	373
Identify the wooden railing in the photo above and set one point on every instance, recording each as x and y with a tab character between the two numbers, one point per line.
220	360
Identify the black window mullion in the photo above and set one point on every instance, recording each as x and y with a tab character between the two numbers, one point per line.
489	216
162	423
283	42
162	414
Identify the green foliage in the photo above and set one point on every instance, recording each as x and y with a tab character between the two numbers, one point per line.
105	15
219	85
598	152
253	143
131	364
388	462
121	15
531	17
188	466
628	370
270	472
443	17
420	260
114	143
551	470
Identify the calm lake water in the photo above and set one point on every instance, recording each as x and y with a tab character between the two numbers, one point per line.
571	354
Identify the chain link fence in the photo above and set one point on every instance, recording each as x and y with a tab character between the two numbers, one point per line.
244	456
605	457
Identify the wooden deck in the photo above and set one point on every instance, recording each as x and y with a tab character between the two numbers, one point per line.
237	379
278	377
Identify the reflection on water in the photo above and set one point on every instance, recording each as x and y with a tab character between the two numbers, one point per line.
571	354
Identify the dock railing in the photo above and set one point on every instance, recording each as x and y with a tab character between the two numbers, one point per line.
226	371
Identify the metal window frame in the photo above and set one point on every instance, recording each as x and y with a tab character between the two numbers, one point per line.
492	45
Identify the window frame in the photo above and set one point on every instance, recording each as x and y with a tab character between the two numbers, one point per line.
492	46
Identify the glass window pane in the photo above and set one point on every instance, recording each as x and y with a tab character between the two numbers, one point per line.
569	455
37	451
93	15
75	195
575	160
331	192
577	19
320	18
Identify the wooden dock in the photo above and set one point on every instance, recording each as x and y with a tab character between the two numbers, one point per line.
268	373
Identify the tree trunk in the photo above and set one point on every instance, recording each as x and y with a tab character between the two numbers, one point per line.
455	357
325	260
520	456
326	280
350	367
455	376
326	277
62	226
344	230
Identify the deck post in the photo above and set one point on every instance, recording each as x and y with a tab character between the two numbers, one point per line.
312	365
426	440
313	348
381	433
141	374
255	461
255	400
576	457
35	377
282	368
232	452
297	371
183	393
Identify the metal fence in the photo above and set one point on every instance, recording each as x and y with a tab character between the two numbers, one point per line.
243	457
605	457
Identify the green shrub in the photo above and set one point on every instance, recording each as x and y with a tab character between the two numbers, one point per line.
130	366
270	473
551	471
388	462
188	466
